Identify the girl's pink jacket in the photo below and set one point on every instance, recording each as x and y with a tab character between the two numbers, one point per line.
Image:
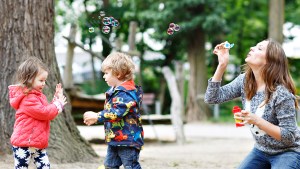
33	115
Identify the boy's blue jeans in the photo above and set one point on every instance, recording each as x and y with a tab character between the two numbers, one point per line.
260	160
118	155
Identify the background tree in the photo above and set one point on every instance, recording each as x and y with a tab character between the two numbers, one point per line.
196	19
276	19
27	29
245	26
292	10
243	22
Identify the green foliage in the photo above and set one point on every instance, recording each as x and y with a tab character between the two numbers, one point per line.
150	77
294	65
191	15
292	11
91	88
242	22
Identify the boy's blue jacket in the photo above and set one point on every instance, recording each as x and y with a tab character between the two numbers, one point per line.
122	116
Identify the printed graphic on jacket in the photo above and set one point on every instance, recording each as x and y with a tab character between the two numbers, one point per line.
122	116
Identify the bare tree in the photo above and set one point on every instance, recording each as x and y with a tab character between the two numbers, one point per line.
27	29
68	76
176	105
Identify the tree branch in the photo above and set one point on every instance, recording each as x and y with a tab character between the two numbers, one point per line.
86	50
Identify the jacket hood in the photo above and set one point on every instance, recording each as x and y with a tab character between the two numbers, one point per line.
16	95
129	87
134	91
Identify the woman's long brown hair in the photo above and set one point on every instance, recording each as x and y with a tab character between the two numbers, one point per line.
274	73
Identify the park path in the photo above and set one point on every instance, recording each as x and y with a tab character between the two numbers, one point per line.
166	132
208	146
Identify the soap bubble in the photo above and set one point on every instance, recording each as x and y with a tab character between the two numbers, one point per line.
173	27
105	29
170	31
176	28
106	20
91	29
115	23
102	13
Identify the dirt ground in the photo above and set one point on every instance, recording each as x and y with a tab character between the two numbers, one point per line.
208	146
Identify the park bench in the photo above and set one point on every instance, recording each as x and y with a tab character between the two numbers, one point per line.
150	116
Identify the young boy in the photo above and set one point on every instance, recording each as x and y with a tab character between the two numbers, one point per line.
121	115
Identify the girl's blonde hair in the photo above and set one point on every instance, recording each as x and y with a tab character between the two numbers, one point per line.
274	73
121	65
28	70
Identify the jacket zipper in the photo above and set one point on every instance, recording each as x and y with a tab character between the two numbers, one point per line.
29	140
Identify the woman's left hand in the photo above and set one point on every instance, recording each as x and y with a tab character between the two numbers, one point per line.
249	118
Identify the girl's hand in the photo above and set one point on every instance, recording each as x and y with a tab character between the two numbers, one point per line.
63	100
58	91
90	118
222	53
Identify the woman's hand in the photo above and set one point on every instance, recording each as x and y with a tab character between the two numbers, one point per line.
222	53
247	117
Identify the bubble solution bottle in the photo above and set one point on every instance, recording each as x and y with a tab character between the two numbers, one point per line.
237	109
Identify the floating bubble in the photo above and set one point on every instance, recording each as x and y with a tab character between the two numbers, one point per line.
176	28
105	29
115	23
106	20
170	31
91	29
172	25
102	13
227	45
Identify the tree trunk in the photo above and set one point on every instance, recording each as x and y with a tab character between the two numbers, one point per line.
161	94
197	109
179	74
176	105
27	29
276	19
131	36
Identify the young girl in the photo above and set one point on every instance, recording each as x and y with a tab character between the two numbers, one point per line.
33	114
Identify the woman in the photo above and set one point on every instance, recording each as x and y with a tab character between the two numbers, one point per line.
268	96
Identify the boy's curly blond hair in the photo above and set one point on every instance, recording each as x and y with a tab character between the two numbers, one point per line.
121	65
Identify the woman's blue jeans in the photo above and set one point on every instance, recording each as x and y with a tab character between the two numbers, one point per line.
257	159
